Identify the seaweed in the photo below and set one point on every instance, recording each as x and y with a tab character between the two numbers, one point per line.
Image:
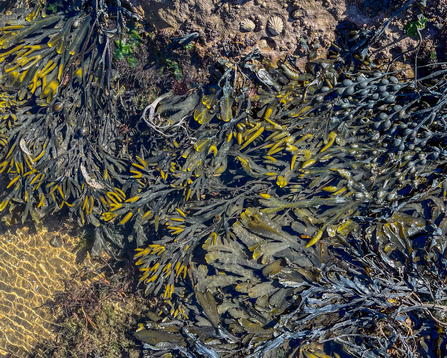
125	47
270	205
335	169
62	147
361	294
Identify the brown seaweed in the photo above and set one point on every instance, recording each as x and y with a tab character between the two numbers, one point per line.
267	206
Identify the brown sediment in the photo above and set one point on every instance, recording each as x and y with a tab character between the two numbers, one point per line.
98	316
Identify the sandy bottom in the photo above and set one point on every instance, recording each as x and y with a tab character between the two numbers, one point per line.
31	272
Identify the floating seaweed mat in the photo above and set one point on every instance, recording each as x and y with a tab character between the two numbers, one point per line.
34	266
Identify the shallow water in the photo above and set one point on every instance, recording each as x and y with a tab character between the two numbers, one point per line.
31	272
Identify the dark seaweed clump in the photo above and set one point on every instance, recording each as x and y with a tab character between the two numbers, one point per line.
269	206
61	143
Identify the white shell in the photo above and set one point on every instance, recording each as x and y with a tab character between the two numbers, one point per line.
275	25
247	25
